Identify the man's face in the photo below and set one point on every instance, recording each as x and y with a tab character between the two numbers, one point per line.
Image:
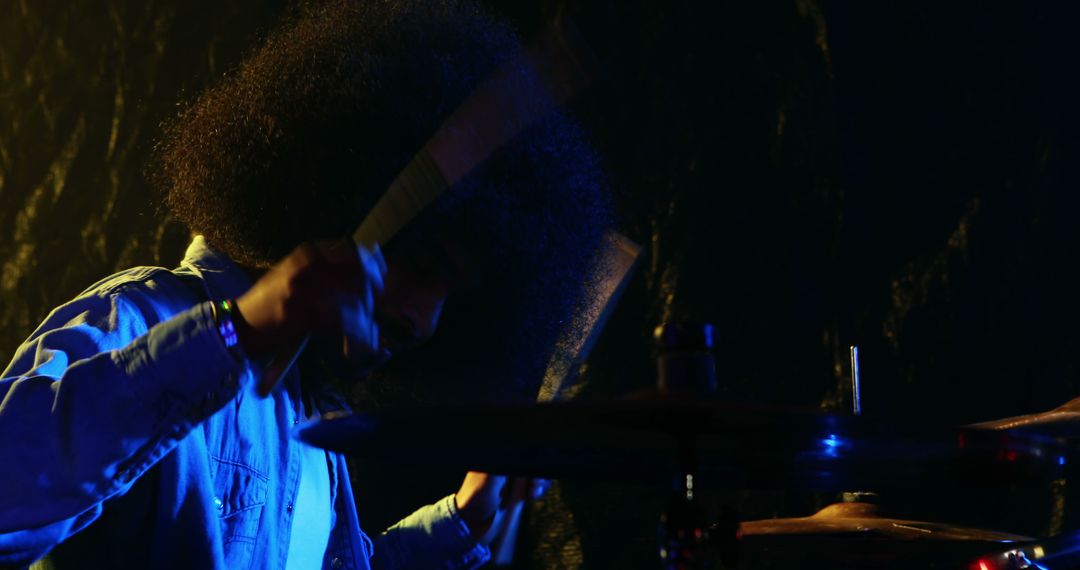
419	279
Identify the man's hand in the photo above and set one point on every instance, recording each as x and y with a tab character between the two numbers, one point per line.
484	499
321	287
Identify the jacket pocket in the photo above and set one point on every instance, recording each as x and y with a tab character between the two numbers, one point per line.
239	495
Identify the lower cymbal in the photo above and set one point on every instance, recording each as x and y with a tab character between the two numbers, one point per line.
862	519
651	438
854	536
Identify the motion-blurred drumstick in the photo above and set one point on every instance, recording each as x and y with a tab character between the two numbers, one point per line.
617	261
545	75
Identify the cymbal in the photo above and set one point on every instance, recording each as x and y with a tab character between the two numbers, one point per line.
653	437
1063	421
863	520
854	535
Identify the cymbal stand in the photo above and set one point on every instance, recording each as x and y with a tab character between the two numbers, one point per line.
686	366
683	533
856	409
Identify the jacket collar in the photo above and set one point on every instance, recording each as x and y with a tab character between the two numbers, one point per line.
222	278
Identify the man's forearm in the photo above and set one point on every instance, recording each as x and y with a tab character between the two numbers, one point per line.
434	536
86	409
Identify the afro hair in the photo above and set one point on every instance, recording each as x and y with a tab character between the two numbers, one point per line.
301	140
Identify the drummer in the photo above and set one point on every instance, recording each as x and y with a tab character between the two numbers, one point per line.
134	436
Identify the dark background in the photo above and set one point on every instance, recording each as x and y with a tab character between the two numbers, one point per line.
805	174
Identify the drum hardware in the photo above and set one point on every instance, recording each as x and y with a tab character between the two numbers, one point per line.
616	263
636	438
856	394
649	435
856	409
685	364
1062	425
1062	551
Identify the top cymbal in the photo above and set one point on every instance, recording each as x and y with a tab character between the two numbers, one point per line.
654	436
1063	421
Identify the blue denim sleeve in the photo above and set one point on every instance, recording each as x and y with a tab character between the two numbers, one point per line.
92	400
433	537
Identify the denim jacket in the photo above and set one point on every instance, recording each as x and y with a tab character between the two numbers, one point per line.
133	438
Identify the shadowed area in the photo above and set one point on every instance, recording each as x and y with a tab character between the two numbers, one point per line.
805	174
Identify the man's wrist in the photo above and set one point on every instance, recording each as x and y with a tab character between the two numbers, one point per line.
478	522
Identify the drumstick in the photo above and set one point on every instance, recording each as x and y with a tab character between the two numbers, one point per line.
545	75
617	261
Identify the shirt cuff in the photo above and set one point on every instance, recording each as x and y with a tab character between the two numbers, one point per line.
447	541
184	362
460	527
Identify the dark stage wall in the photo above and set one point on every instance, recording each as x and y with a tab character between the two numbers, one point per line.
805	174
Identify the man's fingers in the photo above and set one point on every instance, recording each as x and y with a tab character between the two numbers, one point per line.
376	252
373	265
325	287
359	328
368	301
357	305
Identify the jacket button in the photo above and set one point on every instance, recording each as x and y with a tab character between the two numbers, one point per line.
337	562
218	503
288	508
